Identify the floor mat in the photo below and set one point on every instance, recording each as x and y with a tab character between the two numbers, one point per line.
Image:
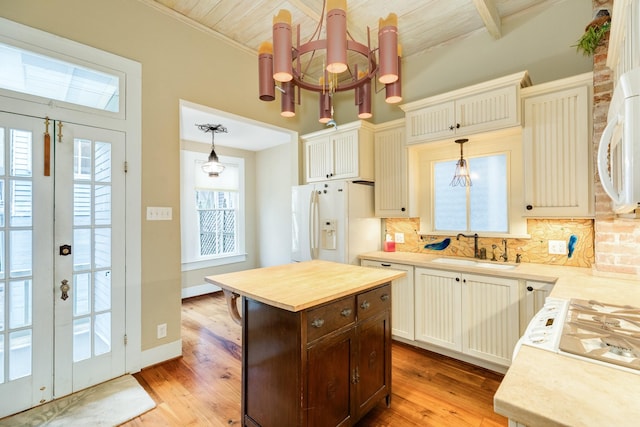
107	404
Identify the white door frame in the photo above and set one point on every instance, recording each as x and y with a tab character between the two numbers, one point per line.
129	122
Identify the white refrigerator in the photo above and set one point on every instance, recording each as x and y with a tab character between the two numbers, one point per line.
334	221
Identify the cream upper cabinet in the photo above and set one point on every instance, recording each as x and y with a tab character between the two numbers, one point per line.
394	185
557	149
346	152
480	108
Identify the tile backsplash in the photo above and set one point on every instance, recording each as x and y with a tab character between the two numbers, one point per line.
577	235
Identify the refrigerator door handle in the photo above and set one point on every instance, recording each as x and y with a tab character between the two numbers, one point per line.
314	225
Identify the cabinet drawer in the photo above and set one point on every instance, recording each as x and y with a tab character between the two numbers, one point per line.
373	302
328	318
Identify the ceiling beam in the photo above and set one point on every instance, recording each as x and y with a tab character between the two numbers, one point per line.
490	16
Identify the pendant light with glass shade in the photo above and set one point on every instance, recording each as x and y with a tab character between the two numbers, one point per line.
212	167
462	176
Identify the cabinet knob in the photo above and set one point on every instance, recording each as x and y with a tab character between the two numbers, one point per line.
365	305
529	207
346	312
530	288
403	209
456	126
457	279
317	323
385	297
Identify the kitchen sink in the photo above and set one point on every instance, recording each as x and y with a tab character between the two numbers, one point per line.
456	261
473	263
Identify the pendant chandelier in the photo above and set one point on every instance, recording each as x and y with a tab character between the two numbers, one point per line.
462	176
326	66
212	167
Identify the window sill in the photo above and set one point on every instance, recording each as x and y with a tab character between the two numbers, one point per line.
214	262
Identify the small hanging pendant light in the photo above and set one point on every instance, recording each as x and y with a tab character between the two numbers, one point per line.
212	167
462	176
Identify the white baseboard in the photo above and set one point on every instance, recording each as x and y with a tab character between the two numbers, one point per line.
162	353
194	291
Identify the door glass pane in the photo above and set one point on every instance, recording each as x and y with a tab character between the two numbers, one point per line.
103	248
81	249
1	307
20	253
3	262
20	203
103	162
81	339
102	336
2	202
82	294
1	359
81	204
20	350
20	147
103	205
20	303
2	151
82	159
102	290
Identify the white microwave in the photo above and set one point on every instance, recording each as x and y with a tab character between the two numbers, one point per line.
619	150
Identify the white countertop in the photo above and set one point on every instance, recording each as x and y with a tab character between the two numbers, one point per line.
542	388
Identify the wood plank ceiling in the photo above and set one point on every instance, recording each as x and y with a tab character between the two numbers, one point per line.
423	24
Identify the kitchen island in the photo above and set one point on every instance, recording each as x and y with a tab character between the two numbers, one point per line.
316	341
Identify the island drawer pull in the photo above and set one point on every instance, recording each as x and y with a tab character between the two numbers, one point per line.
317	323
384	297
365	305
346	312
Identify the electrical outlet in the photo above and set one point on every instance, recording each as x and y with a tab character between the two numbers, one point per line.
399	237
557	247
162	330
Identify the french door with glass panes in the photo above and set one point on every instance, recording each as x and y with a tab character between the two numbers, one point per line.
62	259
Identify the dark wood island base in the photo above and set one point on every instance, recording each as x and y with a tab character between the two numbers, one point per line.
324	363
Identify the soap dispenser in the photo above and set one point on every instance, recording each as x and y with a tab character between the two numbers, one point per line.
389	245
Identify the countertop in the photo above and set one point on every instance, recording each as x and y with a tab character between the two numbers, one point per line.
298	286
542	388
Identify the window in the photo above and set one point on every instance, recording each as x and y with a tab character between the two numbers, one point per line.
492	206
481	207
212	213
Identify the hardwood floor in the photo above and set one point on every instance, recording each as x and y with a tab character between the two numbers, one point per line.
202	388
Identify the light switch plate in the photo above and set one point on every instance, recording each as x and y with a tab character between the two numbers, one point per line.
155	213
557	247
399	237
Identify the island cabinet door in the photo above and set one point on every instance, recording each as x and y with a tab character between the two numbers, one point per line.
330	370
373	366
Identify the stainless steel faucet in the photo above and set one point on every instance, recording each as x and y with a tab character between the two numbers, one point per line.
504	255
476	253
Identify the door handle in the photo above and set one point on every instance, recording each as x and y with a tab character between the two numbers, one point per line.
64	288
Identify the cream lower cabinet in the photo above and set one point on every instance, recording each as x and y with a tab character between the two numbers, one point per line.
473	314
402	299
533	296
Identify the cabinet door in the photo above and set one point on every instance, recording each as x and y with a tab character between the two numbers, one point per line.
432	123
556	143
318	154
490	315
533	298
329	373
402	299
391	170
344	147
437	308
373	366
487	111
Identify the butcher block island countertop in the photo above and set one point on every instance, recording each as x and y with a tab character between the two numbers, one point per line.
302	285
316	342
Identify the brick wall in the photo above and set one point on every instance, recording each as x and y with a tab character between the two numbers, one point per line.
617	240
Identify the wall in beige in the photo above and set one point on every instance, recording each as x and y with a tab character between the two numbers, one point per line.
182	62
